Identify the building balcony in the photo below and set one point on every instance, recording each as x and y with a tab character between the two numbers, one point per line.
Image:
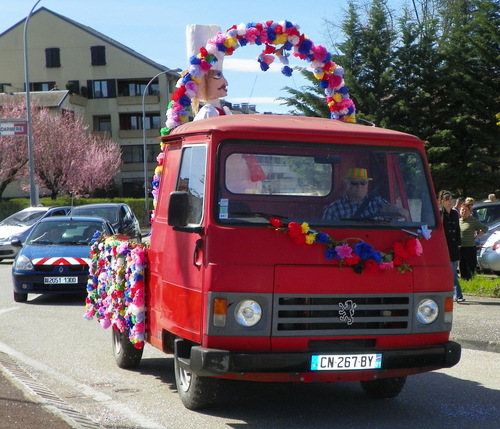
137	100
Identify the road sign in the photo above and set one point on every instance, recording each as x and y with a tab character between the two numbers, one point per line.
13	128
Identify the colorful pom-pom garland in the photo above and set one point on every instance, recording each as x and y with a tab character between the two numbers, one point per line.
115	289
279	39
359	256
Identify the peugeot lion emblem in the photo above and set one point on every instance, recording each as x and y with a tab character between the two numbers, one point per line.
346	311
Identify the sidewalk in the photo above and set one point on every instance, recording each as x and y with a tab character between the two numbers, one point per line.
476	325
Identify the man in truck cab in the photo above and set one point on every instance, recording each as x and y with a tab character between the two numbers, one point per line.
357	204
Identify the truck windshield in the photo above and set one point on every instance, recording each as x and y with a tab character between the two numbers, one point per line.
324	185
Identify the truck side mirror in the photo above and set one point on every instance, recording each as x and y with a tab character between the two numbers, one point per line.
178	209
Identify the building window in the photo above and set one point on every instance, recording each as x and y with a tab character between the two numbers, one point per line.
102	123
134	88
133	188
133	153
98	55
73	86
52	58
100	89
133	121
42	86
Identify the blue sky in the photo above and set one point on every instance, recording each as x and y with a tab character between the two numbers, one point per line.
156	29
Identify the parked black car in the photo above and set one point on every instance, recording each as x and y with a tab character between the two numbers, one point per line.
120	215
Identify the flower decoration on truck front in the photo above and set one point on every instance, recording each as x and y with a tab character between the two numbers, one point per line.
115	289
354	252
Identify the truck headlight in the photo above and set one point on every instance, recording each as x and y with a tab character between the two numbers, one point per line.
22	263
427	311
248	312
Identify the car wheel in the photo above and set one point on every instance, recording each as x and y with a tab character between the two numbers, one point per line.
20	297
126	355
195	392
384	387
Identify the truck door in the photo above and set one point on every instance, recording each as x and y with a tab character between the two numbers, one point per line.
181	267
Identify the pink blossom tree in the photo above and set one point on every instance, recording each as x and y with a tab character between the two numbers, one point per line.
13	150
68	158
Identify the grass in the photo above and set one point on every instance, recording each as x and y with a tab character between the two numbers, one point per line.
483	285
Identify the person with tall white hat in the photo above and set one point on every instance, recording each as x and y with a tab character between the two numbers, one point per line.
212	85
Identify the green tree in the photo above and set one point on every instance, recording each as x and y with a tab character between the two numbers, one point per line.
309	101
463	150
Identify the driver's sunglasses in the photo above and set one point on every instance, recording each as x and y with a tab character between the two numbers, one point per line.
362	183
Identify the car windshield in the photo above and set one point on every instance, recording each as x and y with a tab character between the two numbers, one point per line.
64	233
23	218
323	185
489	215
108	213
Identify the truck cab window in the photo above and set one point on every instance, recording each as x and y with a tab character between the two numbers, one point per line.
341	186
192	180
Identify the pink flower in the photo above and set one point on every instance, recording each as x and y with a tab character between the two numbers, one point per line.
344	251
319	53
386	265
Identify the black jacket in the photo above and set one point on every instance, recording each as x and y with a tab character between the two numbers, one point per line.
452	231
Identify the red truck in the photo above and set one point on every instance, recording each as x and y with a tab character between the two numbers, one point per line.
264	266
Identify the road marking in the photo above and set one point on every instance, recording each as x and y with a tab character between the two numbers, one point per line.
6	310
104	400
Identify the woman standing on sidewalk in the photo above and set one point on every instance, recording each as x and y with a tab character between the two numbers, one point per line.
470	230
452	232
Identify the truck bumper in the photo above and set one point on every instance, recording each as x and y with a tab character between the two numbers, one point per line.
213	362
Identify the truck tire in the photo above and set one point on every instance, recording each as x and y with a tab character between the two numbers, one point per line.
20	297
384	387
195	392
126	355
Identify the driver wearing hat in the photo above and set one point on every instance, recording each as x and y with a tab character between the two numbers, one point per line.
356	203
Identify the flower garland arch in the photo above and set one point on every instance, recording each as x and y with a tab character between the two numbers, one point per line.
280	40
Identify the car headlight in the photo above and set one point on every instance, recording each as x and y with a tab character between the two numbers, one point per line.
23	263
427	311
248	312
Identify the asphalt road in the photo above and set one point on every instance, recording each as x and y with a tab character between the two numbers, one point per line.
26	404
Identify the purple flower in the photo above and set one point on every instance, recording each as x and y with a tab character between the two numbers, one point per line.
330	253
322	238
287	71
305	47
263	65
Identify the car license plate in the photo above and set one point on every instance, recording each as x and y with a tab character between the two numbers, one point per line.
60	280
346	362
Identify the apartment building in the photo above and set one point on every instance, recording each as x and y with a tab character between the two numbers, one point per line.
93	75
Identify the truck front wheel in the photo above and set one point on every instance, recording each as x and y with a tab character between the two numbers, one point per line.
126	355
384	387
195	392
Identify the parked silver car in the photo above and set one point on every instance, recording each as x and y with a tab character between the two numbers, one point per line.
19	225
489	255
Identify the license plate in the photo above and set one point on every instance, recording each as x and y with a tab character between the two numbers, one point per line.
346	362
60	280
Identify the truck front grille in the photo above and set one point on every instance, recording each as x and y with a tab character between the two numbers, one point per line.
337	315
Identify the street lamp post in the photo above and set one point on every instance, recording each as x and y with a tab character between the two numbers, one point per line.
33	189
145	158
